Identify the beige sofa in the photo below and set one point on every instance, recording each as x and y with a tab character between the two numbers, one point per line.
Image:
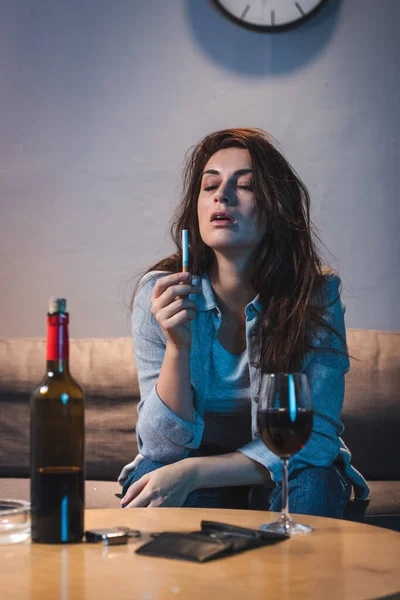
106	370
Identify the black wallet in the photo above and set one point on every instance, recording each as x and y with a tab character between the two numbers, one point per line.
215	540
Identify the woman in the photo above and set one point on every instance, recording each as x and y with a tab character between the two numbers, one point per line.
261	302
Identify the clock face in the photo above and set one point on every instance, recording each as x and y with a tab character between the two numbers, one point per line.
269	15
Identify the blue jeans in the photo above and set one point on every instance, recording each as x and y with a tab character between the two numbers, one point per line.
318	491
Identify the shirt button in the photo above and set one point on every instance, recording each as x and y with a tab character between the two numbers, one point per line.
255	399
256	365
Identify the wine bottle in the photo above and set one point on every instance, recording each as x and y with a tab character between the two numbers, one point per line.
57	441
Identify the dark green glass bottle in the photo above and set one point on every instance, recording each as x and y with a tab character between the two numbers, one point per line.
57	441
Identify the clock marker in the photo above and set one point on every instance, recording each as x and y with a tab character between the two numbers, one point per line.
300	9
266	16
246	10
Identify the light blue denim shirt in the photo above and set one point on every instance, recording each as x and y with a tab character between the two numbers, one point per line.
163	436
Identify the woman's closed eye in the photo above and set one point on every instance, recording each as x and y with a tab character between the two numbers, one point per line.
241	187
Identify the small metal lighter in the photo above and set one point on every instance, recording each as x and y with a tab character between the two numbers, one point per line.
107	535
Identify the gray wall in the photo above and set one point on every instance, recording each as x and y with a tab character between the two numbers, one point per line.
100	99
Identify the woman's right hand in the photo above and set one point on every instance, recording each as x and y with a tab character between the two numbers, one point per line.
172	308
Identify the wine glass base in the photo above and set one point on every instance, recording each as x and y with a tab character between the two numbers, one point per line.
288	527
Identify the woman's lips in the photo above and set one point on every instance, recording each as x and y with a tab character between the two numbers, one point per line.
222	223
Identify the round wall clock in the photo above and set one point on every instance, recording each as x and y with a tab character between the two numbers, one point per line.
269	15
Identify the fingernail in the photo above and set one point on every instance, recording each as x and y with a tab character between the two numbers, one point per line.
196	280
183	276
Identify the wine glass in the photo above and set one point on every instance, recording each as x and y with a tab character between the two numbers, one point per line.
285	422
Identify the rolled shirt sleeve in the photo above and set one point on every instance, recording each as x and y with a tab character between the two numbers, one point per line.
162	435
325	372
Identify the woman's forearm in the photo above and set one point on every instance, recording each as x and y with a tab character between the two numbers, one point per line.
174	384
227	469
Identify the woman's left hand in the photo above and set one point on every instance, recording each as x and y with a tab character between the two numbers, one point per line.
167	486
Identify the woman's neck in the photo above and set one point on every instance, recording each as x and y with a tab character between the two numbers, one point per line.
232	288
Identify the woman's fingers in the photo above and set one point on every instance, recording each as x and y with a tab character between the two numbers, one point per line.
175	308
169	287
147	498
178	319
172	308
134	490
163	283
171	294
175	313
141	501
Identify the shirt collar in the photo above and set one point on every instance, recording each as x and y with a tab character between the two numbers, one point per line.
206	299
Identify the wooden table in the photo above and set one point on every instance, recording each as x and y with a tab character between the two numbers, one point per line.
339	560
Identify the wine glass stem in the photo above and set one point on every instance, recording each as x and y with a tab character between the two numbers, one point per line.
285	518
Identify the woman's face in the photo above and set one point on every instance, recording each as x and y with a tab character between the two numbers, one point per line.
226	186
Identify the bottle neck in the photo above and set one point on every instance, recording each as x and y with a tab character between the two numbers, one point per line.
57	353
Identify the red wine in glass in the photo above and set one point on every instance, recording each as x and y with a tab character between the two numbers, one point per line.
284	435
285	421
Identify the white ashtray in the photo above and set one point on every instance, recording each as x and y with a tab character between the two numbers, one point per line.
15	521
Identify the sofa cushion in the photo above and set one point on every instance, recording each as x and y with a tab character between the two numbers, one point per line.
110	440
384	507
385	498
371	411
103	367
106	370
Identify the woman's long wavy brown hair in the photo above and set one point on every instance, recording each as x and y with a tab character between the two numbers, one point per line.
287	272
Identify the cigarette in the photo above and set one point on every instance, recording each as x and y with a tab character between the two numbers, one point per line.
185	251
